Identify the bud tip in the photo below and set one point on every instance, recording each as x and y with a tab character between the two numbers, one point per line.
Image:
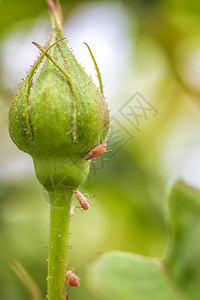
51	5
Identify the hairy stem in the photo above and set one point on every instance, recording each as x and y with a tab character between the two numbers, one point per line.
58	251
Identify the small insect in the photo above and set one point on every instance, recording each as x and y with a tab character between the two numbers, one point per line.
72	279
82	200
96	152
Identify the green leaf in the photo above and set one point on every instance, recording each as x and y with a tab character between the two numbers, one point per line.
127	276
118	275
183	255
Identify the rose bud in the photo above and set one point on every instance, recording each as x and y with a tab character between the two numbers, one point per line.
58	115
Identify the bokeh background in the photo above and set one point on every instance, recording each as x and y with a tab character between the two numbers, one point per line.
147	50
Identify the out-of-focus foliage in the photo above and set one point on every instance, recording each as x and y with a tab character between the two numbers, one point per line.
118	275
121	275
129	212
182	258
13	11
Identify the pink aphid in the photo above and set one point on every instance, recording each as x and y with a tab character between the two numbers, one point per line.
72	279
96	152
82	200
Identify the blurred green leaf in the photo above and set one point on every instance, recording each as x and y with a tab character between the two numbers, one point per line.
27	280
127	276
182	257
13	11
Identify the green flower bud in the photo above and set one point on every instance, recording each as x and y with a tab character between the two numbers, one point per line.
58	115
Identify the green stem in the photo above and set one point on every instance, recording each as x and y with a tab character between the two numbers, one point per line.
58	251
